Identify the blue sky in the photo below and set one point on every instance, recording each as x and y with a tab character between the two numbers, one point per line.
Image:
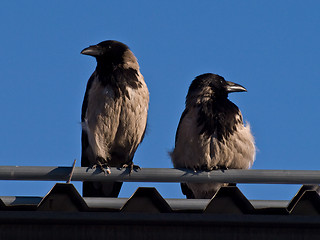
270	47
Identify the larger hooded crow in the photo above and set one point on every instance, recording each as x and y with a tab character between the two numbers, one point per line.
114	113
211	134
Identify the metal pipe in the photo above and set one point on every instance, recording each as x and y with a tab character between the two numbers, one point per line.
161	175
117	203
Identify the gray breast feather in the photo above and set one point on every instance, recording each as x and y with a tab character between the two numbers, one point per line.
115	126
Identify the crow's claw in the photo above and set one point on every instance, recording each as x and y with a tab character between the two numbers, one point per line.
103	167
131	167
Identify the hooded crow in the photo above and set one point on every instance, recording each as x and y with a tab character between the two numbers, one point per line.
211	134
114	114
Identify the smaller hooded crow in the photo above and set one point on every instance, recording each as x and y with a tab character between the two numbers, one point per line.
211	133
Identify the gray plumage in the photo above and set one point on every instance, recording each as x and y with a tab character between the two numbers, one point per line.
114	113
211	133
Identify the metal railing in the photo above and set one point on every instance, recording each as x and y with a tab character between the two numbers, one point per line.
160	175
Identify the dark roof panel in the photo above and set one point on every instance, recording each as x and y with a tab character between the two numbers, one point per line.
63	197
146	200
307	204
229	200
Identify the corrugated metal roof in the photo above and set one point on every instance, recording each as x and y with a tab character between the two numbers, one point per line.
64	213
228	200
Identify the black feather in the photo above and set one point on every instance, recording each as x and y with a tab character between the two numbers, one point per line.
84	137
216	114
182	116
119	79
218	117
85	99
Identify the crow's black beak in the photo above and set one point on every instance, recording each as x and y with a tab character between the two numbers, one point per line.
94	51
233	87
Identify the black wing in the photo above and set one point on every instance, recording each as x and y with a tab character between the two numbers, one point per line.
84	137
181	118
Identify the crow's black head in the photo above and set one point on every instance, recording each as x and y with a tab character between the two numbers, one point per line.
212	86
116	66
216	114
107	51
